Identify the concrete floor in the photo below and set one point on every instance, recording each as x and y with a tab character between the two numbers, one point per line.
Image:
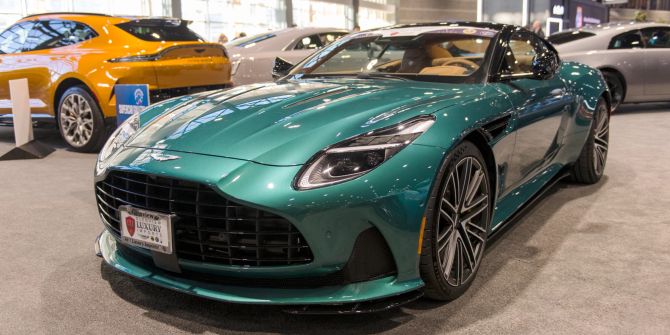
592	259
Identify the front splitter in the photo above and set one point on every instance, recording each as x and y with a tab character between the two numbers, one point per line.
369	291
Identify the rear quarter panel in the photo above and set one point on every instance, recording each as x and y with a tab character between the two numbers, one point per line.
587	86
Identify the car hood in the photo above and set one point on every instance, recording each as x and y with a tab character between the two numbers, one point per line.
287	123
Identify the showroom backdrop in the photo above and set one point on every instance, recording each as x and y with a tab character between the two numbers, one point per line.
213	17
210	18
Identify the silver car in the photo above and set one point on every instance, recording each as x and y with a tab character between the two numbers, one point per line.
633	57
254	56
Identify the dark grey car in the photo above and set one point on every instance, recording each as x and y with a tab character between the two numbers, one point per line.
633	57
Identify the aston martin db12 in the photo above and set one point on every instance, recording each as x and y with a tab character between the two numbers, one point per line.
369	174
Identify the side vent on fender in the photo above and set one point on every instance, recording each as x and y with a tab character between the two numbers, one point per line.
496	127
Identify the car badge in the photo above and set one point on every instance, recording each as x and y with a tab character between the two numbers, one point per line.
130	225
161	157
139	97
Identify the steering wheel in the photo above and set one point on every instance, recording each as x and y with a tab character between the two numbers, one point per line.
461	61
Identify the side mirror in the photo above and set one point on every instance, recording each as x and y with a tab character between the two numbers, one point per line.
544	65
281	68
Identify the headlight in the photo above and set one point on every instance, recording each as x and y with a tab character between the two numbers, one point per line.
118	139
359	155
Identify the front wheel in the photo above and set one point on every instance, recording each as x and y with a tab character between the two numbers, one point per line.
457	225
80	120
590	166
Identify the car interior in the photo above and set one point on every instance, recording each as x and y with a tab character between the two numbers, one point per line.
459	57
452	55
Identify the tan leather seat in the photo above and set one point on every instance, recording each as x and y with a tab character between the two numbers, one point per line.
440	61
524	63
435	51
444	71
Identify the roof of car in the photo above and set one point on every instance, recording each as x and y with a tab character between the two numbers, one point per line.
67	13
616	26
487	25
95	16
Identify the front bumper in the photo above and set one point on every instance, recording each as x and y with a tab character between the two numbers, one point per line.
107	246
330	219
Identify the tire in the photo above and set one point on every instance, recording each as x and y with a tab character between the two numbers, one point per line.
616	87
80	120
451	216
589	167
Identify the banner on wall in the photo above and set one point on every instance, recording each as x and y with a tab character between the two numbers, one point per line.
130	99
584	13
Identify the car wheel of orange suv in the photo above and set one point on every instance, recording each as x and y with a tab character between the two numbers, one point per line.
80	120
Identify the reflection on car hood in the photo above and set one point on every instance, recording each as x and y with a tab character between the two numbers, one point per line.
287	123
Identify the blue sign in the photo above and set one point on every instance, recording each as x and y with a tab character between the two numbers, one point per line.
130	99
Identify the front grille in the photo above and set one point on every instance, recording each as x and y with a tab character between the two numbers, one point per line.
208	227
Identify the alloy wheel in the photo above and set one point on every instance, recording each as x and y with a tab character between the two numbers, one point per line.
601	140
616	90
76	120
461	223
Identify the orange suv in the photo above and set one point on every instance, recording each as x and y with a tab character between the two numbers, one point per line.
73	61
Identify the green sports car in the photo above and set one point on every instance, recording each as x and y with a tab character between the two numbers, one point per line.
369	174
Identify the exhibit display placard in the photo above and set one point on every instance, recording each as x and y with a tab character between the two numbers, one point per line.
130	99
20	97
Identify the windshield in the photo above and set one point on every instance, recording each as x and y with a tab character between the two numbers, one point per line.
569	36
250	41
156	30
434	55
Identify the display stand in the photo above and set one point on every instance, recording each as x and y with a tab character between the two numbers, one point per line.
26	145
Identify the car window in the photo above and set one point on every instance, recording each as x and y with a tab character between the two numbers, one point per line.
309	42
57	33
250	41
157	30
13	39
521	51
569	36
657	37
327	38
628	40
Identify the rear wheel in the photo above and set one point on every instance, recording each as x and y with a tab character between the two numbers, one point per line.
456	231
590	166
80	120
615	85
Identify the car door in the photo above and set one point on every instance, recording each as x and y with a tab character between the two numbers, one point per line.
625	54
43	61
12	41
541	108
37	62
657	62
